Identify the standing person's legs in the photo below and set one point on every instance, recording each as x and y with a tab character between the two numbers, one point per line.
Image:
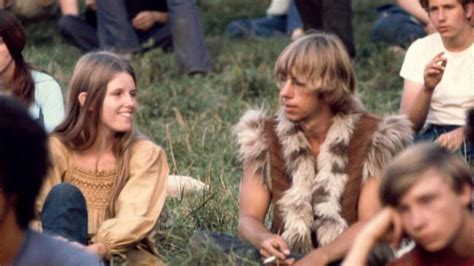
64	213
188	37
115	30
334	16
337	18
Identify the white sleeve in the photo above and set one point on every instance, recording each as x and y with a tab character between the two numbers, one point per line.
50	100
413	64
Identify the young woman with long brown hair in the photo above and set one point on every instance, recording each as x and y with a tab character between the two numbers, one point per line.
107	185
36	90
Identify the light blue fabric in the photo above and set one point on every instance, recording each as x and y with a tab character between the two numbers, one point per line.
43	250
48	105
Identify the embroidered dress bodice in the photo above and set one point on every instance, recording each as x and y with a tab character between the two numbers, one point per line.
96	186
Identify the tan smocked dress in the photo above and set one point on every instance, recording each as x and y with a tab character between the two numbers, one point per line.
138	205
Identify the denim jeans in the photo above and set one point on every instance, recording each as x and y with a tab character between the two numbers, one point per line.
114	31
333	16
189	46
266	27
64	213
432	132
396	27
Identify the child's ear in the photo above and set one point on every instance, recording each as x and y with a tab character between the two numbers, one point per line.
82	98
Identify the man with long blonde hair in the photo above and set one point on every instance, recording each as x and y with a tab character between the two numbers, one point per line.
317	160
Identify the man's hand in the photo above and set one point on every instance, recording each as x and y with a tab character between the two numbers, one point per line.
452	140
274	245
434	71
146	19
385	225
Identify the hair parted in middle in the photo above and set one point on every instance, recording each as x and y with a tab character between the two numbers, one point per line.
407	168
321	61
80	128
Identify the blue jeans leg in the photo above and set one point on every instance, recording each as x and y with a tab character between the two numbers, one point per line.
264	27
396	27
114	27
191	51
65	213
79	32
293	19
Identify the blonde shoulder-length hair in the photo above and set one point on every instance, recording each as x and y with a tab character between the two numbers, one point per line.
79	130
321	62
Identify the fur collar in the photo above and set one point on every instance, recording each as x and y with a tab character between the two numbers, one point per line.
312	203
326	178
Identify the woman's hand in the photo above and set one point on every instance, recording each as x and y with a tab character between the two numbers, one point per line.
99	249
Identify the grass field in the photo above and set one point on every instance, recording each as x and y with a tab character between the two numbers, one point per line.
191	117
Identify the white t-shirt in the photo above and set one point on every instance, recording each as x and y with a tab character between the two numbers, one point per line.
454	95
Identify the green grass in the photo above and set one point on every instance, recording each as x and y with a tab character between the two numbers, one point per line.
191	117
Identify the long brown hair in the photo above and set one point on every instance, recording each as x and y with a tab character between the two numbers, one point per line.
79	130
21	85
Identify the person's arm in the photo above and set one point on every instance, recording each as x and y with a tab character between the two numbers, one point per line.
368	206
416	97
146	19
51	103
414	8
138	205
385	225
254	201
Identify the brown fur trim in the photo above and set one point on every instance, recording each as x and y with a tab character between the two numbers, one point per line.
392	135
253	148
298	205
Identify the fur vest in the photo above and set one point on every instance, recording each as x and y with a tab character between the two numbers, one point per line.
308	210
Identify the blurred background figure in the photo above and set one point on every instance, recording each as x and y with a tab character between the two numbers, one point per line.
30	9
282	18
24	162
333	16
36	90
129	27
401	23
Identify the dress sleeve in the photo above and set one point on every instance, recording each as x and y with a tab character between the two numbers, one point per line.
51	103
59	156
140	202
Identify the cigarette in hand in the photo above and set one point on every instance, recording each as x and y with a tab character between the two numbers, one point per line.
269	260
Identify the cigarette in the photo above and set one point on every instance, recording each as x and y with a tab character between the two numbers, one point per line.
269	260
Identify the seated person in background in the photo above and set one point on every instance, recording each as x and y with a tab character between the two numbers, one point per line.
438	87
127	26
317	160
106	186
402	23
282	18
24	162
36	90
426	191
30	9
